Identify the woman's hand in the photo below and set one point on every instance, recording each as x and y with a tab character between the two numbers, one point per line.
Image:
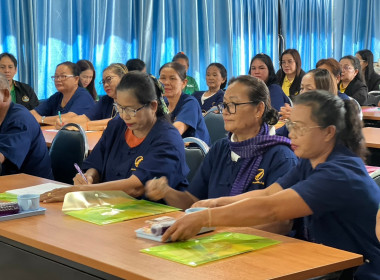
209	203
378	225
56	195
59	124
285	112
78	179
157	189
187	226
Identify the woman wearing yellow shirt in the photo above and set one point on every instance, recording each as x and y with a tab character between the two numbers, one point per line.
291	73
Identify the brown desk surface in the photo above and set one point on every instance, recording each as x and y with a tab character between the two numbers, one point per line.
92	137
372	137
115	249
371	113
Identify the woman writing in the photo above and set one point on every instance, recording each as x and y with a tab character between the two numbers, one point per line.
291	73
98	117
262	67
253	158
70	100
136	146
330	184
185	111
216	79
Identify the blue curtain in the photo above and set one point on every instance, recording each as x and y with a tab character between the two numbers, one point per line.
53	31
44	33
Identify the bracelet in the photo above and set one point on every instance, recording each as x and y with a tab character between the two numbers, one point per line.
209	217
42	119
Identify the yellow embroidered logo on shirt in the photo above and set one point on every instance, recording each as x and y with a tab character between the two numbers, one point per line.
259	176
138	160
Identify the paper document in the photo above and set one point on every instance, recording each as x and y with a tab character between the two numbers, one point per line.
38	189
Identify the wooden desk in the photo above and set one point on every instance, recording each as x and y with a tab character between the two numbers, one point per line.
371	113
92	137
114	250
372	137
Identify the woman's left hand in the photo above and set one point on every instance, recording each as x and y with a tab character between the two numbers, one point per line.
56	195
186	227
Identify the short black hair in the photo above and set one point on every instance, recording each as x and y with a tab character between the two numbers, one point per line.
11	57
135	64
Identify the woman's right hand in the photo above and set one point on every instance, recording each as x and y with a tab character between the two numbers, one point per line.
208	203
78	179
285	112
59	124
157	189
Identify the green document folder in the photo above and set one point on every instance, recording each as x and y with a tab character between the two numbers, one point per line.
210	248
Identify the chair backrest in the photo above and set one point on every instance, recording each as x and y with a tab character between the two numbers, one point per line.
374	92
68	147
215	126
376	176
195	153
359	107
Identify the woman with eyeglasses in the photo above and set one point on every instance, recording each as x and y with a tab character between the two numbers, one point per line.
262	67
185	111
372	79
291	73
87	77
136	146
352	81
70	100
98	117
330	184
248	159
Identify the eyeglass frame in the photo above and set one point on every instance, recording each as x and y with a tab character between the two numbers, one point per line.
226	105
107	80
347	68
301	129
130	112
61	77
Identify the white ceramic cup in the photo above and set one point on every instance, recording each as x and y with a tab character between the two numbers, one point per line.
28	202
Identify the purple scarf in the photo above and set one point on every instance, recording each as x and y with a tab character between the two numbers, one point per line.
251	151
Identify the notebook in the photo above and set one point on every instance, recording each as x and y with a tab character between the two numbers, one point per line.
38	189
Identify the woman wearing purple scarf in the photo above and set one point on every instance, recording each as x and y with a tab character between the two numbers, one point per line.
248	159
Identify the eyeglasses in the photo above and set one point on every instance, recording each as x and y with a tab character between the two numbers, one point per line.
130	112
61	77
298	129
284	62
107	80
231	107
346	68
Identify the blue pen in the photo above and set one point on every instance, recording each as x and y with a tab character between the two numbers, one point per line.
59	115
80	172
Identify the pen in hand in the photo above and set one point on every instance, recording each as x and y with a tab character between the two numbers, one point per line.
60	117
80	172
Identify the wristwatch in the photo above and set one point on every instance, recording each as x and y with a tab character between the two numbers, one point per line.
42	119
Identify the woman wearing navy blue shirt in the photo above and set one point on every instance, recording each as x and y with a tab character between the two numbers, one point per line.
216	79
185	111
70	100
136	146
97	117
261	67
248	159
330	184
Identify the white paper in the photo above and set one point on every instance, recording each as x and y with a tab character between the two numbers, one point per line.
38	189
51	130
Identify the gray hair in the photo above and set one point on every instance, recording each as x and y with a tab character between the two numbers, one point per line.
4	84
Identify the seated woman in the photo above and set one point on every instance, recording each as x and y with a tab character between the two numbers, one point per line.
70	100
136	146
192	85
262	67
253	158
21	93
216	79
352	82
97	117
87	76
291	73
372	79
333	66
185	111
330	184
314	79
